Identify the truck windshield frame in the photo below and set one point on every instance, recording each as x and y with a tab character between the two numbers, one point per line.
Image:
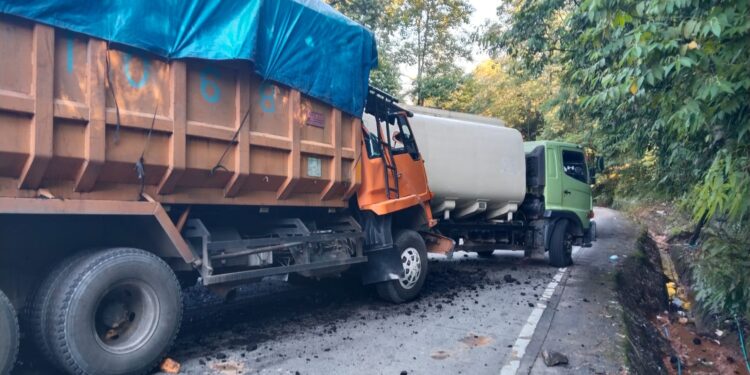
399	138
383	107
405	137
574	165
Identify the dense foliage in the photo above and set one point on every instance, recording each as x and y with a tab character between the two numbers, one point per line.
721	272
665	87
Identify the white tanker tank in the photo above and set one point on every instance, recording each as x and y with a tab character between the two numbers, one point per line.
476	166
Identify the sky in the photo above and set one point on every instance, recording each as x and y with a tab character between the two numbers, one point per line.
483	10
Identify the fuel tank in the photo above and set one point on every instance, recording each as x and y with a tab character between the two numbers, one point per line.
475	165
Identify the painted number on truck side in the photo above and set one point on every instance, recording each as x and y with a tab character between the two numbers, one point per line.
144	78
267	100
209	88
69	48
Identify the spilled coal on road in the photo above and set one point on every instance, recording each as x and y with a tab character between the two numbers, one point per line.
468	315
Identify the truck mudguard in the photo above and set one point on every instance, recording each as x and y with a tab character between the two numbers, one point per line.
552	216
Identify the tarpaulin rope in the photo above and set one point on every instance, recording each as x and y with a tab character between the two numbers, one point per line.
140	166
114	98
229	145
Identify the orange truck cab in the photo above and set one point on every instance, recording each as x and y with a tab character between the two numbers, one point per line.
394	200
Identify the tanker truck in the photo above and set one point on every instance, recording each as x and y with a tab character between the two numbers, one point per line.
147	146
491	190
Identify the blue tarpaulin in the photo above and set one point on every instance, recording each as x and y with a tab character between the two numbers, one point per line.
304	44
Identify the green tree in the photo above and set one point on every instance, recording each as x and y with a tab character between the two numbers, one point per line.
425	34
496	89
380	17
432	41
440	83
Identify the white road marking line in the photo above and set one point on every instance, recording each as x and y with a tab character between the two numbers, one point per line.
524	338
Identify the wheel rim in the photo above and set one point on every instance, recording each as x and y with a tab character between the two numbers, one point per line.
412	263
126	317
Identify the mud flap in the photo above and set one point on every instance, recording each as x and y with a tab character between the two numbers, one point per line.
383	264
589	235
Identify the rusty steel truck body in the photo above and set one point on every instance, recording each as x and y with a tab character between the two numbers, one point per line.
129	168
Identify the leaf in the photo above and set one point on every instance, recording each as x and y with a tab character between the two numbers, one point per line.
621	19
689	28
640	8
650	78
692	45
686	61
715	27
633	88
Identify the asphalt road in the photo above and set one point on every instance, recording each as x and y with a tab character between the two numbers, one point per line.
475	316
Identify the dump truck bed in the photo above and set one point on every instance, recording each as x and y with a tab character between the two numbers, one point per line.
79	117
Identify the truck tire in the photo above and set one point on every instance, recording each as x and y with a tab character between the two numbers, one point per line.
38	311
8	335
117	311
561	246
414	259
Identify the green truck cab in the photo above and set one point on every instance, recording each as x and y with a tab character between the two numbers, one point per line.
559	188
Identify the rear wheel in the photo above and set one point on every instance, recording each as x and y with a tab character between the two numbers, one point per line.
116	311
561	246
8	335
414	260
38	318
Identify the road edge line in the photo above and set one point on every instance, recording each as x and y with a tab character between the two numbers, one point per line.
527	331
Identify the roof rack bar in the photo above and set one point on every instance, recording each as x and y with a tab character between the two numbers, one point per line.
381	104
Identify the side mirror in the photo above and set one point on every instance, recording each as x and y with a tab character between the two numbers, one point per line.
592	176
600	163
